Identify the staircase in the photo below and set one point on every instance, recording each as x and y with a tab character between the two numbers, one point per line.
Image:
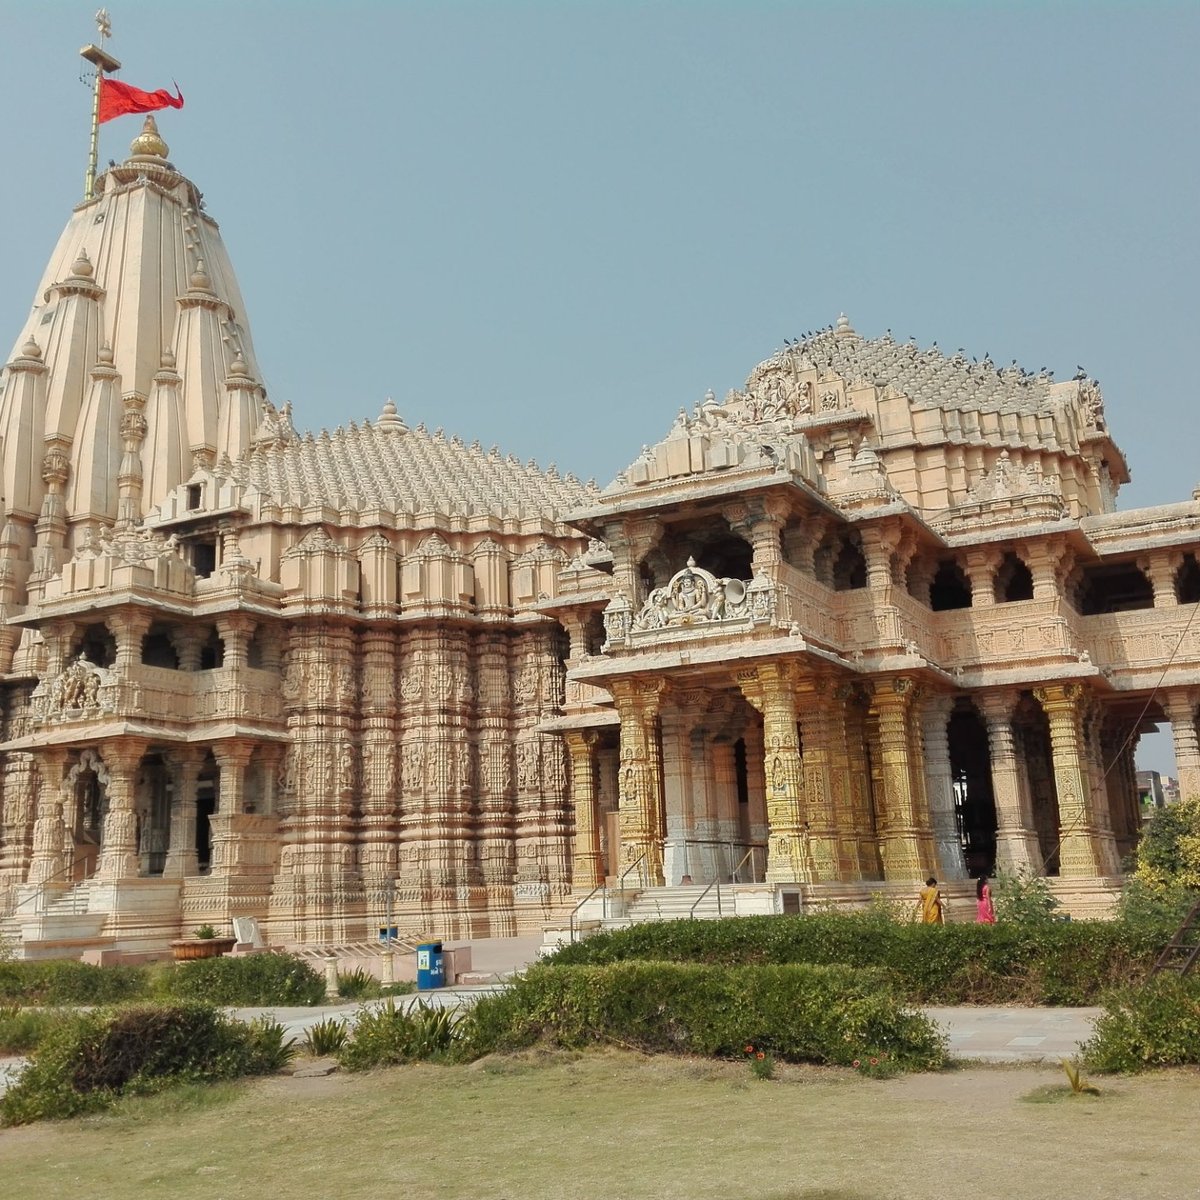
46	916
1183	950
674	904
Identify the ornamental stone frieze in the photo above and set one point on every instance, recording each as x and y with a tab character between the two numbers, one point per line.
80	692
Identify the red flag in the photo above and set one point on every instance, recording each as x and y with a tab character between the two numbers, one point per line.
117	99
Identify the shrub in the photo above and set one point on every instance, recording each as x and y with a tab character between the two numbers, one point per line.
1042	963
325	1037
256	979
387	1036
1156	1025
88	1060
21	1029
64	981
1169	851
1024	899
798	1013
357	984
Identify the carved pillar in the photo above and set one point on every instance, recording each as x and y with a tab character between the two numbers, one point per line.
232	759
49	862
858	775
1181	709
497	818
235	630
630	541
181	845
129	477
129	629
378	845
980	566
1083	853
760	523
639	795
818	732
58	636
939	783
587	868
188	643
770	689
1160	566
1016	838
905	841
119	840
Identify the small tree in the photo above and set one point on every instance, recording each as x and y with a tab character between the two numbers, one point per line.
1023	898
1168	856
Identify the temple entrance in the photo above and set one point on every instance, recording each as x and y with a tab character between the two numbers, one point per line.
206	806
974	800
88	784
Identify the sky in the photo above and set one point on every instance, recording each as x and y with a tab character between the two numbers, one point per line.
550	225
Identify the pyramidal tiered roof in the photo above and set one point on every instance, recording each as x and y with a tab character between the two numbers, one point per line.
386	465
929	377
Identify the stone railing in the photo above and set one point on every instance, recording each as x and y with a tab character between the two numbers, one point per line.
1022	632
1144	639
227	694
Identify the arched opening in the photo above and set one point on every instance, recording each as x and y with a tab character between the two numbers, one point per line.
1187	581
1014	580
212	652
974	800
97	645
949	588
1114	587
87	781
154	815
709	542
158	649
593	631
839	562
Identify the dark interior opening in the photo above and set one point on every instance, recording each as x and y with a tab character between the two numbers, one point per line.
1014	580
950	587
1114	587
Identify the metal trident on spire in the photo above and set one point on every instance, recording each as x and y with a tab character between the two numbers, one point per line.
103	62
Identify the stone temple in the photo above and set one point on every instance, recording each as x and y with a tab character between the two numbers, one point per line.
872	616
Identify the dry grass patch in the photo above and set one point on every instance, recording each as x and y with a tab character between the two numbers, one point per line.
624	1127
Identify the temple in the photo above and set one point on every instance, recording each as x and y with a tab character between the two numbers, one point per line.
872	616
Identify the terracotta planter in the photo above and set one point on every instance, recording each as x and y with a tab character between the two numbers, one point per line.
201	948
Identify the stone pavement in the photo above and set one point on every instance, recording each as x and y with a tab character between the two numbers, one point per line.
1010	1035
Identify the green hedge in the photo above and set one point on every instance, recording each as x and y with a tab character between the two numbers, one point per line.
1067	963
64	981
256	979
1156	1025
89	1060
798	1013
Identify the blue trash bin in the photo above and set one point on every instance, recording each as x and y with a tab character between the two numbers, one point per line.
431	966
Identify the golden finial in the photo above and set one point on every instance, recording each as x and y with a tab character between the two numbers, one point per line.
148	144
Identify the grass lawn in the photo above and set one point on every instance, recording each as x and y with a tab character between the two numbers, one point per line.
618	1126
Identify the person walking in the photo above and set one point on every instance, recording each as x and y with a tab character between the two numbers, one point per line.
930	904
985	911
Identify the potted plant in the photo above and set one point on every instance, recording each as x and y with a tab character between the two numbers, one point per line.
205	944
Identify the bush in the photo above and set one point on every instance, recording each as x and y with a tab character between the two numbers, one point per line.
21	1029
357	984
387	1036
1157	1025
1169	851
64	981
256	979
325	1037
89	1060
1044	963
798	1013
1024	899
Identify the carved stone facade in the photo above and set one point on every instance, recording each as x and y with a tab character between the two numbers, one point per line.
871	617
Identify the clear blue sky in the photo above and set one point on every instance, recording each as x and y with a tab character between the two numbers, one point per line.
550	225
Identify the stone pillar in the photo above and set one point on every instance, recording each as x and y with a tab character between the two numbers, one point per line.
378	843
587	870
235	630
1181	709
1083	852
188	643
119	841
939	784
1016	838
49	863
232	760
639	795
905	840
58	637
181	845
980	567
129	629
1160	567
497	803
760	523
770	689
680	862
816	714
862	807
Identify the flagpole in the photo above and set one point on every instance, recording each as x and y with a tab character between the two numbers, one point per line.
102	61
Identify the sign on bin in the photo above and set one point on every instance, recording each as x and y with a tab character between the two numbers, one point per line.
431	966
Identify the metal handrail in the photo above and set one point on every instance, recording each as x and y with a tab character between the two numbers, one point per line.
637	862
717	883
40	894
600	887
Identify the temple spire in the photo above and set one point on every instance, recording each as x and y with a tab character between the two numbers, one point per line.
103	62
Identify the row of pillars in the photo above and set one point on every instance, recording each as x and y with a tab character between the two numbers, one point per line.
122	762
832	809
